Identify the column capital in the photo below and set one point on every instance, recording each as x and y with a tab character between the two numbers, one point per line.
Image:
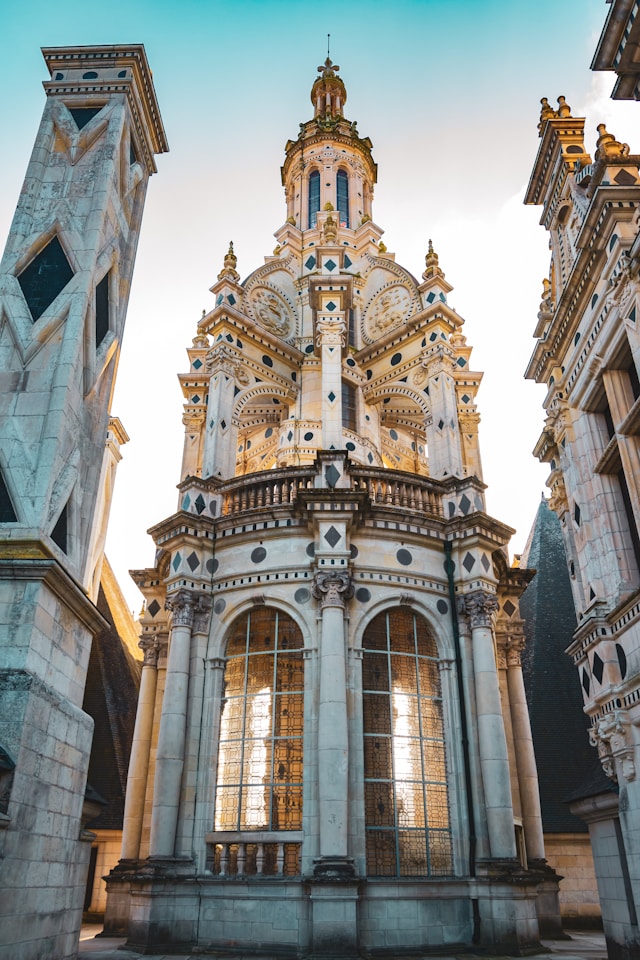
479	607
332	588
201	612
612	737
181	605
514	647
330	331
150	648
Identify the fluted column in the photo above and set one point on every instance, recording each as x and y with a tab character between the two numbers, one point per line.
171	737
139	760
525	756
332	590
494	762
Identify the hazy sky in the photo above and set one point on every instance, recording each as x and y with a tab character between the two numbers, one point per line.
449	93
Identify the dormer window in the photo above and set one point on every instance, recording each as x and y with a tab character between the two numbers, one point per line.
314	197
342	197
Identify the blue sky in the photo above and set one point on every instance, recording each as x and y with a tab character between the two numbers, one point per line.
449	94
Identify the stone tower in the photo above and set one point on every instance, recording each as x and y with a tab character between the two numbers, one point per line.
327	741
64	285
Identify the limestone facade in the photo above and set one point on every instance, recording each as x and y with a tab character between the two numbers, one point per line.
64	284
332	750
588	353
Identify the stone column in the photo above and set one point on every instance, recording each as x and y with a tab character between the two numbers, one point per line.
171	737
494	762
331	339
332	589
220	435
442	430
525	756
139	760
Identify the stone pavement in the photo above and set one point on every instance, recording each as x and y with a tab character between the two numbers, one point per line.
583	945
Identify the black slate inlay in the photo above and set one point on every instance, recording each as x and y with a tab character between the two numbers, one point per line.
7	513
363	595
332	536
302	595
332	475
486	563
199	503
586	682
153	608
442	606
193	561
59	532
509	608
212	565
45	277
258	555
465	504
622	660
469	562
597	668
353	550
404	557
219	605
311	550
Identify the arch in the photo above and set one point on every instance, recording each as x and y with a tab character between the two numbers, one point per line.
262	390
313	197
407	817
260	744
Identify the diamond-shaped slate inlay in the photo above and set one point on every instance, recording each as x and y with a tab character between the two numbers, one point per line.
199	503
197	363
310	263
331	305
347	261
193	561
597	668
330	265
440	424
195	398
177	560
332	475
469	562
486	563
461	361
465	398
258	555
465	504
509	608
431	297
231	299
186	502
331	397
586	682
153	608
219	299
332	536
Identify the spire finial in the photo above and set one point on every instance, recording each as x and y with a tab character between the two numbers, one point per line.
431	263
229	268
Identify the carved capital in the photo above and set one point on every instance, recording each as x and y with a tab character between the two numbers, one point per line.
150	648
181	605
193	421
515	646
479	607
333	588
613	739
201	614
330	332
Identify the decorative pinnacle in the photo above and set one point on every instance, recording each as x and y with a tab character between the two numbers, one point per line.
431	261
230	261
608	146
548	113
328	69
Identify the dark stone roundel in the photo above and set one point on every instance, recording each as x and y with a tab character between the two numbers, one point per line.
308	436
404	557
443	606
354	551
363	595
311	549
395	359
302	595
219	605
212	565
258	555
350	446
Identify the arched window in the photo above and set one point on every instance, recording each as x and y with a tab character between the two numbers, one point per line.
259	778
348	406
406	801
314	197
342	196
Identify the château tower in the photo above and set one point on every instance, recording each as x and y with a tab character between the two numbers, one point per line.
64	285
332	736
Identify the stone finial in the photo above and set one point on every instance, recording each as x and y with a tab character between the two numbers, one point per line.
382	247
564	110
330	229
546	304
546	113
608	146
431	261
328	69
229	269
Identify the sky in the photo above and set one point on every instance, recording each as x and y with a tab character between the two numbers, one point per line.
449	93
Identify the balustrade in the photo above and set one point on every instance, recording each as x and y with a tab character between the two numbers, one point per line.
248	854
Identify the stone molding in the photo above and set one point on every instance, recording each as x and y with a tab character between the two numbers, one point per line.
332	589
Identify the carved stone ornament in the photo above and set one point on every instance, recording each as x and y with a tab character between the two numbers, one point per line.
151	648
221	357
479	607
515	646
612	737
330	332
332	588
271	311
201	612
181	606
387	310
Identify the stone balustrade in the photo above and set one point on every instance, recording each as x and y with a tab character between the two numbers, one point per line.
260	854
393	488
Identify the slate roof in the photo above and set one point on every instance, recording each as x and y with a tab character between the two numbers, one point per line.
111	696
558	723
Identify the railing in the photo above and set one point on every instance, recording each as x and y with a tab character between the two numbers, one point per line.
280	488
251	854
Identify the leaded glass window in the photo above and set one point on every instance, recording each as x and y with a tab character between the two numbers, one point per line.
406	801
342	192
259	779
314	197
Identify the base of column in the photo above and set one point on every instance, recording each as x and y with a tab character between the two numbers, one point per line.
334	868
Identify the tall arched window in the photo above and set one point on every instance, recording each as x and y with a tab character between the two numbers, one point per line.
314	197
349	419
406	801
342	196
259	779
